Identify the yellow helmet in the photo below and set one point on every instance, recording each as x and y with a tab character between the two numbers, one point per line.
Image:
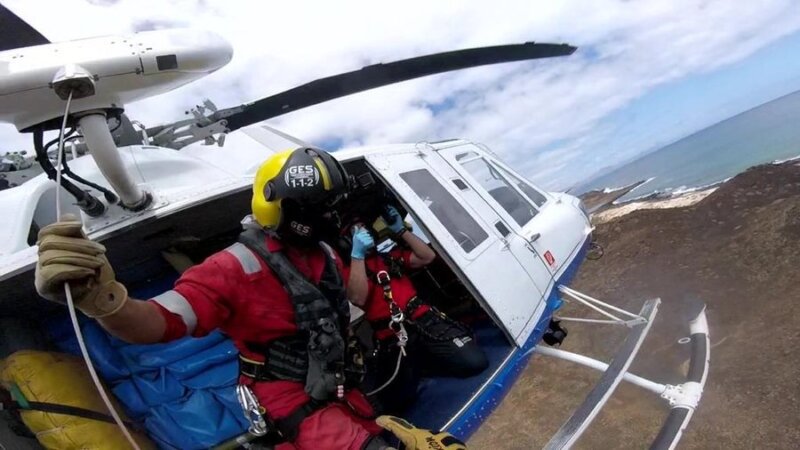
307	176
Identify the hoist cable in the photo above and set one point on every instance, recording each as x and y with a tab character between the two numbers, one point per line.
71	303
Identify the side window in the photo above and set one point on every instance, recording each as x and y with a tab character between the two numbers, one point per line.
536	197
498	187
458	222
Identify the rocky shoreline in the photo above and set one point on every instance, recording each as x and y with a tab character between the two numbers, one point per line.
735	247
677	201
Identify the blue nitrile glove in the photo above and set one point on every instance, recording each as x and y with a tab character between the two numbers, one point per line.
393	220
362	242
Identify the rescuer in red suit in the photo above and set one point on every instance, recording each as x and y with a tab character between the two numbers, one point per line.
435	345
278	293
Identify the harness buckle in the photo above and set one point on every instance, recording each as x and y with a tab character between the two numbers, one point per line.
253	411
397	317
399	330
383	278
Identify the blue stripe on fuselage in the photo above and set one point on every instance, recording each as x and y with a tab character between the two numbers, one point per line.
497	388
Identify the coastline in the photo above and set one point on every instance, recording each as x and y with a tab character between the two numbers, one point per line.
608	208
676	201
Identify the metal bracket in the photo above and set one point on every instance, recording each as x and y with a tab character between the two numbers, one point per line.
635	321
686	395
205	126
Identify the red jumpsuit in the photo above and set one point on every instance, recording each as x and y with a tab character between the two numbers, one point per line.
435	346
235	291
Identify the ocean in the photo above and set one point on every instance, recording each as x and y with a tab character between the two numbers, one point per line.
769	132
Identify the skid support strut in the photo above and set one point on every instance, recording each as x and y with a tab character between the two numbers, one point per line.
682	398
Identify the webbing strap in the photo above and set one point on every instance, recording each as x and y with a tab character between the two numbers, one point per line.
310	305
289	425
385	281
321	314
397	316
67	410
285	359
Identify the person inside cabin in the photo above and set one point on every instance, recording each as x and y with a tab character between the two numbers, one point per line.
279	293
412	338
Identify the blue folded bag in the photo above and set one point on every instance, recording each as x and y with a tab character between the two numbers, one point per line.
182	391
158	387
131	399
193	364
106	359
226	374
155	356
202	417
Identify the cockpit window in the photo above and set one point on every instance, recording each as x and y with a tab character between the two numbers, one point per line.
517	206
455	219
535	196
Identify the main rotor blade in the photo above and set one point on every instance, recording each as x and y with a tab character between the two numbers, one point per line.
16	33
378	75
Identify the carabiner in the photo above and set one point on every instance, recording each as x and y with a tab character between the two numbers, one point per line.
253	411
397	318
401	333
383	278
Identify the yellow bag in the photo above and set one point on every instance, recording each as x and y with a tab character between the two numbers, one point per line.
63	379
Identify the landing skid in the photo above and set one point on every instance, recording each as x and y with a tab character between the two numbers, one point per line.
682	399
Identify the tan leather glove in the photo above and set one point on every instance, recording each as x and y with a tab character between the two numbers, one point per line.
67	255
417	438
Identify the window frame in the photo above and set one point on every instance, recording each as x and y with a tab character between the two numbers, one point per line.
487	196
454	197
507	170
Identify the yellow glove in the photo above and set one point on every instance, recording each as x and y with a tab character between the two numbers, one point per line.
418	439
67	255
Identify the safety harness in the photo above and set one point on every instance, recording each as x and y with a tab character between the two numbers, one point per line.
396	324
317	355
394	269
435	326
397	316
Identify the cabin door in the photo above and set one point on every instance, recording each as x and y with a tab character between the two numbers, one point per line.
517	211
466	231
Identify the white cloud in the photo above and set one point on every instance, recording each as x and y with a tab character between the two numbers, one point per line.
626	49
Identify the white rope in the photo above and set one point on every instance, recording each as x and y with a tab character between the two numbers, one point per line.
583	320
92	372
580	295
394	375
60	157
71	304
598	309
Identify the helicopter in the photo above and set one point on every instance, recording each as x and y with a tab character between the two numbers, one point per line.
507	249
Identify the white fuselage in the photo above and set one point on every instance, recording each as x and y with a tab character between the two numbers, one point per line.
511	266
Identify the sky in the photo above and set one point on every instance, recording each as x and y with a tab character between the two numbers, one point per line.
646	73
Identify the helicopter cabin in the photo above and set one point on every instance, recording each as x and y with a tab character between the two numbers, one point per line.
503	246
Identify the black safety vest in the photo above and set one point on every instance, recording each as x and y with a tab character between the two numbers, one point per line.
322	315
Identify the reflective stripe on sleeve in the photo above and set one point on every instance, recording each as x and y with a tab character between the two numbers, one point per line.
175	303
246	258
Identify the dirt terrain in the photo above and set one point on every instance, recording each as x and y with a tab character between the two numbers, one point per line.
738	250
